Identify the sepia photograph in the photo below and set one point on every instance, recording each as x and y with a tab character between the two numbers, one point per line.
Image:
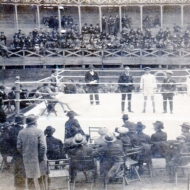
95	94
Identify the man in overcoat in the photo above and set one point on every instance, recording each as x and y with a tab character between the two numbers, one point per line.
31	144
19	171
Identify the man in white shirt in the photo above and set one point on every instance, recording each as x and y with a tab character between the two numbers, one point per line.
148	86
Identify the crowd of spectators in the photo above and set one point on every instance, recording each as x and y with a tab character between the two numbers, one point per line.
92	38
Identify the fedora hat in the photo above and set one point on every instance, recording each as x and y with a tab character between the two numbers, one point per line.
185	125
20	119
140	126
78	139
31	119
102	131
122	130
71	113
181	137
49	129
125	116
109	137
159	124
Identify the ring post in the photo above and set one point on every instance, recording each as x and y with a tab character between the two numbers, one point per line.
17	94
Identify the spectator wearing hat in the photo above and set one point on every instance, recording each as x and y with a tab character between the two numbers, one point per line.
112	155
148	86
31	144
185	127
80	151
100	140
5	144
3	95
54	80
143	140
54	145
3	116
126	86
176	160
123	136
92	80
159	140
19	171
12	96
72	126
168	89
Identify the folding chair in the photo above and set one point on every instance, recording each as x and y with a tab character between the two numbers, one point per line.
91	131
58	169
131	164
187	167
83	164
50	106
120	175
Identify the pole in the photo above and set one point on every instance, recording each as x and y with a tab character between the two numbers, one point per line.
100	18
120	15
59	17
79	11
17	84
182	16
161	16
38	15
141	16
16	17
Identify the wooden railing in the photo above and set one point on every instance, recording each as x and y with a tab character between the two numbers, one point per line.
181	53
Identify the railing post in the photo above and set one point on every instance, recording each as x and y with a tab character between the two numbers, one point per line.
17	94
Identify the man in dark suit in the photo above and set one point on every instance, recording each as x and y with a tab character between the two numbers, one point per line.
92	80
168	89
126	86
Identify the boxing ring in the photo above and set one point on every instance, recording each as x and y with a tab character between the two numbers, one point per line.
108	113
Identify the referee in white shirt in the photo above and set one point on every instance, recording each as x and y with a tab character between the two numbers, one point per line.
148	86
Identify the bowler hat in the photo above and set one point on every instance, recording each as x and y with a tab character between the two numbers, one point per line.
78	139
185	125
19	118
140	126
169	72
49	129
31	119
125	116
147	68
159	124
102	131
122	130
109	137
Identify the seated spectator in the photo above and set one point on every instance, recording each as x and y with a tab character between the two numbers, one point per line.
70	88
79	152
5	143
176	160
72	126
80	88
143	140
158	139
112	157
54	145
100	140
185	127
124	138
85	29
3	116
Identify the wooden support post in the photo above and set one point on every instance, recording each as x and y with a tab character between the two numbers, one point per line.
161	16
80	24
182	15
38	16
59	18
100	18
17	84
141	16
16	17
120	15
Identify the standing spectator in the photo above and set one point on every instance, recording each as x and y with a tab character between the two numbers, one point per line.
126	86
3	38
104	22
148	85
168	89
19	171
63	21
3	116
117	22
55	23
185	127
72	126
12	96
32	145
92	80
